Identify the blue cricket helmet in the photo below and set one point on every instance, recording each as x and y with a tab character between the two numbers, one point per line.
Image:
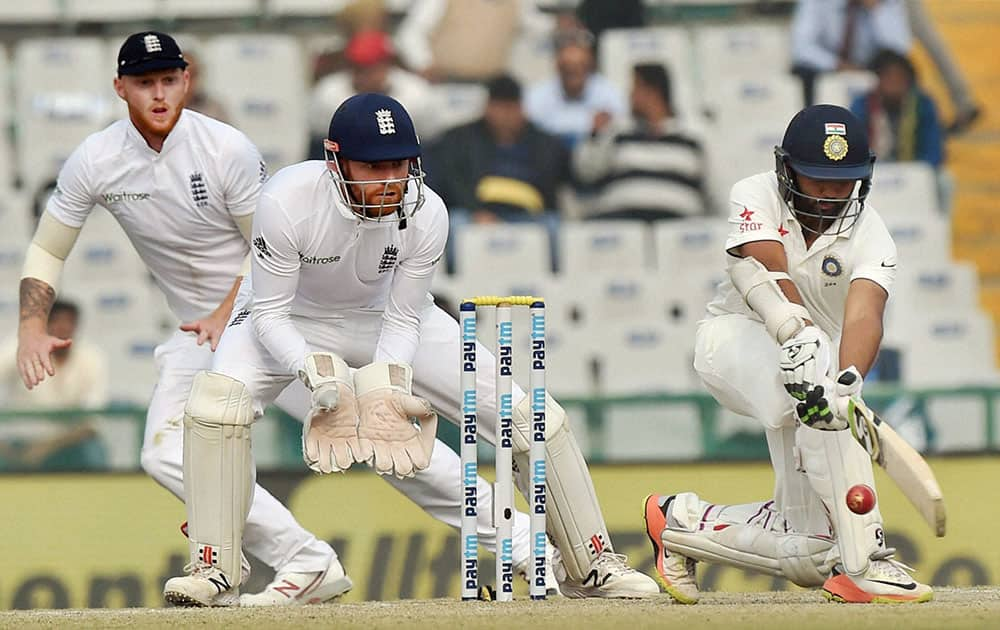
825	142
375	128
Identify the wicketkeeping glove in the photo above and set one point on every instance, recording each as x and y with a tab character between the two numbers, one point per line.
397	430
330	434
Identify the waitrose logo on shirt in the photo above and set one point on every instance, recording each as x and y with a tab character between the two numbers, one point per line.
124	196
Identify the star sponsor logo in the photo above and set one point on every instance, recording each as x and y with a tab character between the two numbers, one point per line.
748	225
782	231
747	214
118	197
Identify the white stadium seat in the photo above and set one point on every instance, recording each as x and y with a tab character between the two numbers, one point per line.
111	10
272	112
599	246
616	297
503	251
622	49
733	51
691	244
216	8
63	94
904	188
685	295
455	104
736	151
841	88
6	151
947	349
919	237
927	287
644	358
305	8
766	101
26	12
103	253
16	228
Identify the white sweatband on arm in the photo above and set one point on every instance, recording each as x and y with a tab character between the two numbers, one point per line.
245	224
51	244
759	287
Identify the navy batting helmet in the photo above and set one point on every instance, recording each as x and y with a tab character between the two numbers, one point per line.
825	142
375	128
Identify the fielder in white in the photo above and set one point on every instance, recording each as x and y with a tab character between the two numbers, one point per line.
344	254
808	262
184	187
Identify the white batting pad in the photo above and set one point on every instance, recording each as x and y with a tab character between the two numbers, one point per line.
575	522
218	470
748	536
834	461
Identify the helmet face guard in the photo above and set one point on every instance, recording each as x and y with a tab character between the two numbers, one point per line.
376	212
852	206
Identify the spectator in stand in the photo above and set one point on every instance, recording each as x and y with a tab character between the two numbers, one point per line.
832	35
371	68
466	40
80	383
649	166
902	120
199	100
500	167
578	101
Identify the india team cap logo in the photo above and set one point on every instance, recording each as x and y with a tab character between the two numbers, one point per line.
835	146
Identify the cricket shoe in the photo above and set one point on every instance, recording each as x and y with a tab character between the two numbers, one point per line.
244	561
674	572
609	577
203	586
300	589
551	584
886	581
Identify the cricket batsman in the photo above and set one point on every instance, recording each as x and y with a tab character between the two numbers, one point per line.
788	340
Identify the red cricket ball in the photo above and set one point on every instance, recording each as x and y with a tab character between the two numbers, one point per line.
860	499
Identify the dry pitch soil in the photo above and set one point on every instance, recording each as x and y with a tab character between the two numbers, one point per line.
952	609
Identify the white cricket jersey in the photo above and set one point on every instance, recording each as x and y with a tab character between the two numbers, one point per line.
824	272
313	258
176	206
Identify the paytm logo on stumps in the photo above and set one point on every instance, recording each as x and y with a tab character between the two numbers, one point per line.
469	345
505	336
470	488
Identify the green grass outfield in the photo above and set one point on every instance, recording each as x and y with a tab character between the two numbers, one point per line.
951	609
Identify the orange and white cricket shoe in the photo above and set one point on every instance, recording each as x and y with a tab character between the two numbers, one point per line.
886	581
674	572
299	589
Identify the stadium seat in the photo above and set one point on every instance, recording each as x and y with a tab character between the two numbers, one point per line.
904	188
927	287
841	88
111	10
616	297
305	8
736	151
919	237
456	104
947	349
28	12
686	295
63	94
599	246
503	251
16	228
621	49
217	8
643	358
734	51
769	100
103	253
6	151
694	245
273	112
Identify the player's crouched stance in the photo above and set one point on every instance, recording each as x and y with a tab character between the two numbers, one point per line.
798	236
380	234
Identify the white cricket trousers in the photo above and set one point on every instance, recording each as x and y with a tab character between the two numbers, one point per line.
737	360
